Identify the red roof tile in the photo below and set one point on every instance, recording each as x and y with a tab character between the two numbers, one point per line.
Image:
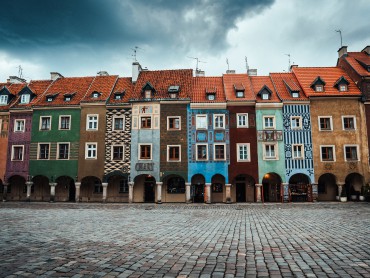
200	86
14	89
234	82
354	59
103	85
258	82
285	81
38	87
123	84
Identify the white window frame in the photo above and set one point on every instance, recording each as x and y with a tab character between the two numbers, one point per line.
148	94
123	152
4	99
196	152
87	144
276	150
295	94
292	119
69	150
239	94
40	124
354	122
302	151
357	150
273	122
16	121
151	121
25	100
265	96
151	151
223	121
343	88
88	121
238	145
60	122
214	152
319	90
168	122
331	123
238	116
114	123
12	157
168	153
196	121
38	151
211	97
326	146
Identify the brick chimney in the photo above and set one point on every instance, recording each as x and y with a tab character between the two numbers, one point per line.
252	72
16	80
199	72
136	69
366	50
342	51
55	75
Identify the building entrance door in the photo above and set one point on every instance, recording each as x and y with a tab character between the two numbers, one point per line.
198	196
149	190
240	193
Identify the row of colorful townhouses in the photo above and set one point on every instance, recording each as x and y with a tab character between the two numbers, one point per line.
171	136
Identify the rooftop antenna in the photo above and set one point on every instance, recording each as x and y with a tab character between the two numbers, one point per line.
198	61
288	61
246	63
135	51
340	34
20	71
227	62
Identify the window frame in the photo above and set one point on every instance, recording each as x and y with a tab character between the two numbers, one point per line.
92	121
345	152
114	123
273	122
39	149
124	186
58	149
265	96
123	152
12	155
146	117
354	122
327	146
27	100
40	124
276	151
151	151
302	152
60	122
238	116
238	159
317	90
292	118
214	152
330	121
196	152
19	121
168	153
173	118
87	144
343	88
200	116
4	99
223	117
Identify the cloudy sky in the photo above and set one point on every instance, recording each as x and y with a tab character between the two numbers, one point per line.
82	37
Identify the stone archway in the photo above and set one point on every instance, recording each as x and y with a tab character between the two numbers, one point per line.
65	189
300	188
198	183
271	184
91	189
17	189
244	188
174	189
118	188
40	190
327	187
217	188
353	184
144	189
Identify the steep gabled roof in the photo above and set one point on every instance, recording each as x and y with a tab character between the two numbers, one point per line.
102	85
124	87
284	84
202	86
13	89
233	82
357	60
260	82
37	87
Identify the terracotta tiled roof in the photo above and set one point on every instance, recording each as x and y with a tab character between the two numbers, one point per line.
234	82
123	84
161	80
66	85
284	82
200	86
330	75
38	87
355	58
14	89
102	85
258	82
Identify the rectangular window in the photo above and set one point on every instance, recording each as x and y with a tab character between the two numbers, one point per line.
202	152
19	125
173	153
327	153
243	152
349	122
17	153
44	150
148	94
242	120
351	153
145	152
298	151
117	152
45	123
325	123
220	152
64	122
123	186
201	122
173	123
92	122
343	88
219	121
25	98
296	122
91	150
269	122
319	88
146	122
118	123
3	99
63	150
270	151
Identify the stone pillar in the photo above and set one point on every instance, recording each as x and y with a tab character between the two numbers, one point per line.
5	193
105	186
52	191
131	192
78	187
228	193
340	188
187	192
29	185
258	192
208	193
159	192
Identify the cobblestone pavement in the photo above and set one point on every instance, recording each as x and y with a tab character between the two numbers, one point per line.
168	240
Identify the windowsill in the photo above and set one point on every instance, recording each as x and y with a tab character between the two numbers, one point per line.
243	161
90	158
325	161
325	130
352	160
242	127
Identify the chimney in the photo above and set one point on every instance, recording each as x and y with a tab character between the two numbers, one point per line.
342	51
230	72
136	69
252	72
102	73
16	80
199	73
366	50
55	75
293	66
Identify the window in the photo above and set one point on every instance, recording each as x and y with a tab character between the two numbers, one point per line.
270	151
173	153
201	122
243	152
19	125
67	98
325	123
173	95
295	94
92	122
217	187
45	123
25	98
343	88
211	97
265	96
95	95
98	187
239	94
219	121
349	122
117	97
173	123
123	186
220	152
327	153
118	123
91	150
65	122
148	94
63	151
50	99
175	185
145	152
146	122
269	122
351	153
202	152
17	153
3	99
44	150
298	151
117	152
242	120
296	122
319	88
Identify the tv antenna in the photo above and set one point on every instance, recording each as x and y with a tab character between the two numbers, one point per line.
227	62
246	63
135	51
20	71
340	34
198	61
288	61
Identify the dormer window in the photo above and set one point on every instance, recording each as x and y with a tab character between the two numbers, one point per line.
319	88
119	95
173	91
239	90
95	94
342	84
239	94
265	96
49	99
265	93
318	85
25	98
68	97
295	94
148	94
343	88
3	99
148	91
211	96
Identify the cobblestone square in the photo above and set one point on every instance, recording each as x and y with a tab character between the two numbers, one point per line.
170	240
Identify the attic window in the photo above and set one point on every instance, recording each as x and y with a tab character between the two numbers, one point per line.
211	96
319	88
3	99
173	91
239	90
49	99
265	96
67	98
119	95
95	94
343	88
295	94
342	84
148	94
25	98
240	94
